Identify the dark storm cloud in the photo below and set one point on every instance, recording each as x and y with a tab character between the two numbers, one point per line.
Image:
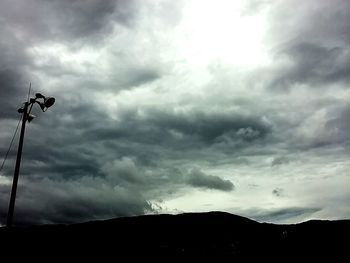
64	20
166	126
154	135
199	179
119	191
77	145
11	83
282	214
27	23
73	201
85	138
13	74
125	172
68	153
84	18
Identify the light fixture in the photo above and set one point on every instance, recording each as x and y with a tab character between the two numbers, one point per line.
48	102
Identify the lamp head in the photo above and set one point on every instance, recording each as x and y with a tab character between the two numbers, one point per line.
48	102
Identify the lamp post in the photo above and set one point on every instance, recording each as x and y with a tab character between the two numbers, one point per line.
44	103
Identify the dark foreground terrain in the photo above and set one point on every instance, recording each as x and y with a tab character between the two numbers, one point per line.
166	237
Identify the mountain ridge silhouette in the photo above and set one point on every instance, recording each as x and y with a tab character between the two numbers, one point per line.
212	234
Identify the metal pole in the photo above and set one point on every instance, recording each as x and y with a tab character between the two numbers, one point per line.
18	163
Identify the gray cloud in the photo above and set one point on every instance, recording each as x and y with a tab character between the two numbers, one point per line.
313	64
314	41
283	214
280	160
315	20
332	130
199	179
135	76
339	125
125	171
38	20
277	192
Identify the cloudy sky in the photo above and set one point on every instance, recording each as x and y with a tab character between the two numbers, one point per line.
169	106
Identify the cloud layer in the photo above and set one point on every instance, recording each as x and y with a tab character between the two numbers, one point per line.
160	109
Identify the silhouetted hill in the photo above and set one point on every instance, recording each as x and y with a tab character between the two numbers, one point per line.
213	234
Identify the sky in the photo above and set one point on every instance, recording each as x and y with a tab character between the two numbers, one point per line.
177	106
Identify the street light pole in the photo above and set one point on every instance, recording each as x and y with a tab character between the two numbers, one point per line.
44	104
18	163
